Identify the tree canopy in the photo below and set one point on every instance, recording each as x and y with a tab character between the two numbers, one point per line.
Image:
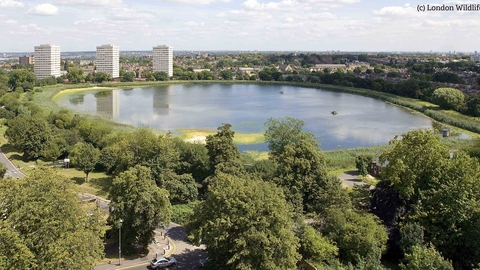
29	134
245	224
283	132
84	157
412	161
140	204
45	226
448	98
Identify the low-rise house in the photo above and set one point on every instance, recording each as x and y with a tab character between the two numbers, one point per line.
283	68
376	166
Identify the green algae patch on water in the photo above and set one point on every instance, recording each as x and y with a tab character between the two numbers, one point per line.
200	135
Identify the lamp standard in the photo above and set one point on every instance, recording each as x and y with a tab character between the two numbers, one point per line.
120	241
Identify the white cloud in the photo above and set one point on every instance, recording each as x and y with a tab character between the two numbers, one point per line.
197	2
396	11
90	3
32	26
44	9
11	3
126	14
10	21
323	15
194	24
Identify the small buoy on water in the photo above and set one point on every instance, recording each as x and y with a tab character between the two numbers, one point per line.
334	112
281	92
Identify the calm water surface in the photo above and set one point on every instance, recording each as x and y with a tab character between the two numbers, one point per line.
360	121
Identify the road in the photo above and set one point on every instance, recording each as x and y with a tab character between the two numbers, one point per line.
351	178
187	255
12	171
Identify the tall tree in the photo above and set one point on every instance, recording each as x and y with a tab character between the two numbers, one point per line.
299	167
84	157
283	132
18	77
358	235
449	210
182	188
29	134
75	75
140	204
44	219
245	224
413	161
223	153
448	98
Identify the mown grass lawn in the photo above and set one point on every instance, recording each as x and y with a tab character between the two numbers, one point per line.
98	182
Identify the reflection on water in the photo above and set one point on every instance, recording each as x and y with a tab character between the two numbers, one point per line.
76	99
160	101
360	121
108	103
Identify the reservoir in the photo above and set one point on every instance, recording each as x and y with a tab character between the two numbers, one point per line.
359	122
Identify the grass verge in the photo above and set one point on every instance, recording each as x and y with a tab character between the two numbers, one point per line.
180	212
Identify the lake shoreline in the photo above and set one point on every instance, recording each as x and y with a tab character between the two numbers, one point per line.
54	92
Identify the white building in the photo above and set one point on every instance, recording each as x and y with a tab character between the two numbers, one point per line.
107	60
47	61
163	59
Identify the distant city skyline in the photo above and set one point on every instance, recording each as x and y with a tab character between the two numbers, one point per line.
237	25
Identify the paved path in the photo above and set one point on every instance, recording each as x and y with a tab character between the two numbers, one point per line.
12	171
187	255
351	178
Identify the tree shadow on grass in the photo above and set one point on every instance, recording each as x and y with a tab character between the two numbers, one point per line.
8	148
103	184
79	180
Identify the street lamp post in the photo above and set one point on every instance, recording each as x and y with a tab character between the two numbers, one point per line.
120	241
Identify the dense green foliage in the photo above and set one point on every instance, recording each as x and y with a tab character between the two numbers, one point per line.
29	134
358	235
75	75
44	225
412	161
140	205
438	196
245	224
223	153
363	163
448	98
316	248
416	203
84	157
283	132
425	258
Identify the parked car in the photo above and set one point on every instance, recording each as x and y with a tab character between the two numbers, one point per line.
162	262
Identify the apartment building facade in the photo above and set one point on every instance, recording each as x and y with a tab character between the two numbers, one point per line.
25	60
108	60
47	61
163	59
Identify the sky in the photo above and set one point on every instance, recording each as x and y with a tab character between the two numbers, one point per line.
246	25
